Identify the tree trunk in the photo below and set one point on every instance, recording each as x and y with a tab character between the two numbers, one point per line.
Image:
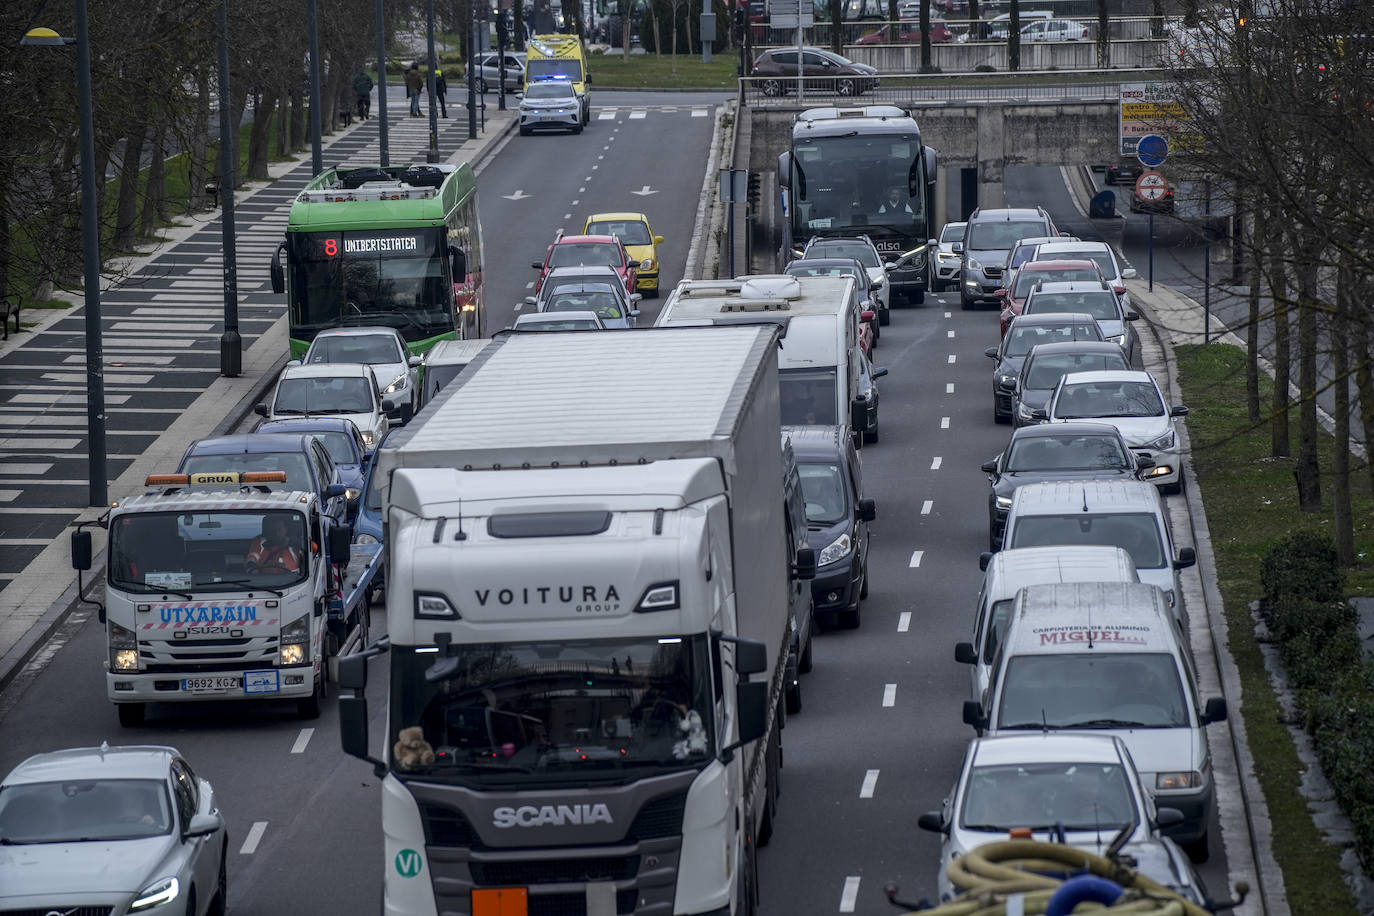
298	132
1104	43
5	237
625	30
518	28
258	136
130	171
837	26
1307	473
1341	514
1279	446
672	30
200	144
1256	252
1014	37
1364	378
653	18
925	35
155	196
284	126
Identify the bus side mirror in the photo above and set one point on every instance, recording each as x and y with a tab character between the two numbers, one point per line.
81	549
278	273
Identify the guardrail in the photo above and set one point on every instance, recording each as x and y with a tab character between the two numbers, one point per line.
908	31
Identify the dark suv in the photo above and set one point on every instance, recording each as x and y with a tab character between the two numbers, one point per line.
988	238
823	71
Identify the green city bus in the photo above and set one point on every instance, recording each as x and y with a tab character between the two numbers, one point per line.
399	246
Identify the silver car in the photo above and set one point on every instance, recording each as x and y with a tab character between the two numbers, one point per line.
1098	300
384	349
607	300
946	260
489	71
111	829
550	104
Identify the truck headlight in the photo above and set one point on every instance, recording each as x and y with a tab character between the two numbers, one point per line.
1183	780
294	638
1004	502
397	384
837	550
123	648
164	890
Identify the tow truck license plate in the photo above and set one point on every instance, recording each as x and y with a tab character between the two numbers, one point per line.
500	901
211	684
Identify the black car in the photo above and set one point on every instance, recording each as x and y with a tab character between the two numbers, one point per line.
868	393
301	456
837	517
1024	332
1055	451
824	71
1048	363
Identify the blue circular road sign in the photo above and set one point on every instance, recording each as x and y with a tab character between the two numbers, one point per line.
1152	150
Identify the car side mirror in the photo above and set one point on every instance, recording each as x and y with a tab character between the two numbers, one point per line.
415	361
1144	462
1178	411
538	265
989	467
658	240
278	273
260	409
458	264
1128	274
879	372
956	247
1132	316
203	825
932	244
634	313
388	405
889	265
984	559
868	510
531	300
973	715
1187	557
933	822
81	549
632	264
991	352
868	314
1000	292
964	653
1039	413
1214	711
335	489
751	657
293	363
805	567
635	297
1064	234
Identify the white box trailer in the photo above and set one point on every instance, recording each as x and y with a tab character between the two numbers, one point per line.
588	555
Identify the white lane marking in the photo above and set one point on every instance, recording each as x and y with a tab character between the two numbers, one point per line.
870	783
699	112
948	314
904	622
606	147
599	158
949	387
576	202
951	359
949	333
582	190
250	842
890	695
944	422
588	178
927	506
936	462
915	561
519	306
849	894
302	740
529	285
595	167
605	116
567	216
638	115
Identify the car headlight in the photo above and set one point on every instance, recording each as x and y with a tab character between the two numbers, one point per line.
365	539
1024	412
837	550
646	264
368	438
1162	442
1185	780
123	648
1004	502
294	638
1006	381
1118	339
973	264
397	384
164	890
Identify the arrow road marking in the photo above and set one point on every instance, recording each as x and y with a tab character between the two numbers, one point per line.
518	195
644	191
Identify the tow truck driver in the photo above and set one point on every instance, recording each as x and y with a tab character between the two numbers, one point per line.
273	551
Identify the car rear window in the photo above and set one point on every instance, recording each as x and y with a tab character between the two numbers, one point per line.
1044	370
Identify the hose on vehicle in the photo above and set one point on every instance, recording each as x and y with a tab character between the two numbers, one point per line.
1019	876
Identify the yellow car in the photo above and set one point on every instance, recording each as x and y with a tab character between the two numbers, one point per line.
639	240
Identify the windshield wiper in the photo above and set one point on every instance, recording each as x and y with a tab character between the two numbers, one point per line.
246	584
1112	723
151	589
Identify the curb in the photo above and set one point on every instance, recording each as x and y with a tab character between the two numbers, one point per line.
706	208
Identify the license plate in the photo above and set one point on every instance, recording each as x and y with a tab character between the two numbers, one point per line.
500	901
261	681
210	684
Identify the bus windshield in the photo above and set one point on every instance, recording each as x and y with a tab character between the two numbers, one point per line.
861	184
396	278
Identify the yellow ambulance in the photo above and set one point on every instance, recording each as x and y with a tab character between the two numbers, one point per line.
560	57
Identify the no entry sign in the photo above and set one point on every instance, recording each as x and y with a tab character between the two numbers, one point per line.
1151	186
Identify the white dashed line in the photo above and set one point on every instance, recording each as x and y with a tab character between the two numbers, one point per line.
576	202
949	314
605	116
949	387
949	333
870	783
638	115
529	285
302	740
606	147
915	561
951	359
567	216
582	190
944	422
699	112
519	306
927	506
936	462
850	894
250	842
890	695
599	158
588	178
595	167
904	622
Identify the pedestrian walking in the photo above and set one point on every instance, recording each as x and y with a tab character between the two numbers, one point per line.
415	84
440	90
362	89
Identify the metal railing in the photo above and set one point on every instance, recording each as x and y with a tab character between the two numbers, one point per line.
908	31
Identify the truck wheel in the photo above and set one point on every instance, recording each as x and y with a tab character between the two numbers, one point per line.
770	792
309	707
884	317
131	714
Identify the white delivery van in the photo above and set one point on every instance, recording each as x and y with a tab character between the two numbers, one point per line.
446	359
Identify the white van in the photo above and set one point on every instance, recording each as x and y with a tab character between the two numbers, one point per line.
1108	658
1008	571
446	359
819	361
1113	513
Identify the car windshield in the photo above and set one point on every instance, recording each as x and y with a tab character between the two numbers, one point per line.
556	710
859	251
306	396
340	446
227	550
294	464
1076	796
1044	370
1092	690
1135	532
1078	452
354	348
827	497
1027	277
807	397
999	235
550	91
84	811
1103	260
953	232
630	232
1108	399
604	302
1022	337
1101	304
585	254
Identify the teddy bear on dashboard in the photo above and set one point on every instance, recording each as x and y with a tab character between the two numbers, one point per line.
412	750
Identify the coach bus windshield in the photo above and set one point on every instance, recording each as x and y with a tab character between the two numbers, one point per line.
395	278
858	183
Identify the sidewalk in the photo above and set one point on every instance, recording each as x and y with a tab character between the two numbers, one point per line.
161	324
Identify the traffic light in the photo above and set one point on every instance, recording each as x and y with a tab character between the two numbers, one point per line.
754	191
741	20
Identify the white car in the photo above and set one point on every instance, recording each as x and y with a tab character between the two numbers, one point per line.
1131	401
347	390
384	349
559	321
111	830
1055	30
1044	781
946	261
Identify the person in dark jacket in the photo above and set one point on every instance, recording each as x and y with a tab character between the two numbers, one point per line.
415	84
440	90
362	88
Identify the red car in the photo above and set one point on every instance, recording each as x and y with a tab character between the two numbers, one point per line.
1020	284
911	34
588	251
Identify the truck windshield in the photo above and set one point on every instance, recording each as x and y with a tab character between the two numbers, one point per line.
545	710
807	397
216	551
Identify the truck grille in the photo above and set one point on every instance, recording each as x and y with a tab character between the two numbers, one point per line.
555	871
660	817
63	911
446	827
574	904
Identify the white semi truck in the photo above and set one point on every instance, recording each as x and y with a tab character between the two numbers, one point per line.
217	587
587	589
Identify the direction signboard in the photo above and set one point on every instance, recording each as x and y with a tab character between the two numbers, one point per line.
1152	150
1150	109
1151	186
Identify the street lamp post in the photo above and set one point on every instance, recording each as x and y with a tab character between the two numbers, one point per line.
432	154
472	73
381	83
230	342
316	153
90	238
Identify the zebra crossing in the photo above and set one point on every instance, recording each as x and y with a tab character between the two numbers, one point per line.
613	112
161	326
